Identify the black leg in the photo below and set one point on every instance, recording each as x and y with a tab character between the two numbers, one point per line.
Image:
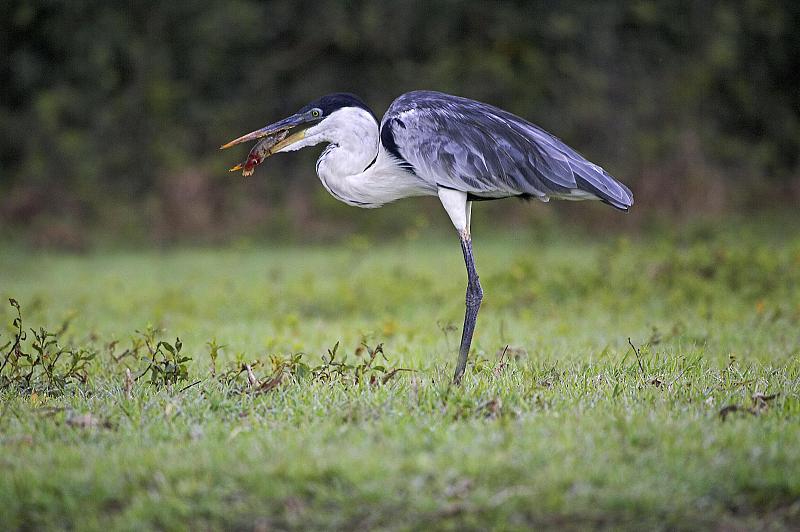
474	297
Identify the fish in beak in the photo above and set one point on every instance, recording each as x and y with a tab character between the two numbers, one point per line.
276	137
260	151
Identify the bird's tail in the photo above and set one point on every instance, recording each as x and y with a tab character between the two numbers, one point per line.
591	178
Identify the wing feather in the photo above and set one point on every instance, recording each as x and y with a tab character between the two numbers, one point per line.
474	147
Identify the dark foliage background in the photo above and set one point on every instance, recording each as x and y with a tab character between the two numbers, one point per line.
111	112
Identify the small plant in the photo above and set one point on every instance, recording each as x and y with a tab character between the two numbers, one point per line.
46	365
166	365
213	352
334	369
338	370
14	352
49	352
281	367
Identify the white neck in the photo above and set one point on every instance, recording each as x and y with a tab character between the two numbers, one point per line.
346	167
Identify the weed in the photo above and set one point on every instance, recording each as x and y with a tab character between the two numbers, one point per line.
365	370
45	365
759	406
166	365
334	369
213	353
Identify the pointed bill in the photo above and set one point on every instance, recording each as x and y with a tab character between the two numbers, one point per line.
285	124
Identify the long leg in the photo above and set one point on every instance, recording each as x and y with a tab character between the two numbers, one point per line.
473	300
460	212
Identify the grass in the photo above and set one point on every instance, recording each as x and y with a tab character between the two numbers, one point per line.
569	427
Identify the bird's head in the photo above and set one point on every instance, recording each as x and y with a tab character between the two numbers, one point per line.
313	123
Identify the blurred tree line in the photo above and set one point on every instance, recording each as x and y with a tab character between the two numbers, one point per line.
111	112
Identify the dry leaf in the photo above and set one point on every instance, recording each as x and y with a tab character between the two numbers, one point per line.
251	377
85	421
271	384
128	383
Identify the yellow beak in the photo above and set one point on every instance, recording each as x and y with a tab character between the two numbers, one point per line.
291	139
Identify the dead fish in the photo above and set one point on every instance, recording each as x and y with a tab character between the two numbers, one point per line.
259	152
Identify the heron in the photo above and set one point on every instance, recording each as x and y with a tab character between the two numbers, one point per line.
435	144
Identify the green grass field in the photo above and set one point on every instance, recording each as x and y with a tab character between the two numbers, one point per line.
567	428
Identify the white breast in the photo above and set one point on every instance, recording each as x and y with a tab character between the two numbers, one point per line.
355	168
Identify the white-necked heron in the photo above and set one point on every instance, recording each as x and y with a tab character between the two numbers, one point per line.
435	144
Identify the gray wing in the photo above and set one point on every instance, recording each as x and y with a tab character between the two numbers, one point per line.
487	152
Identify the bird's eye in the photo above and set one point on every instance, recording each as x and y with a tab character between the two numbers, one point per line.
316	113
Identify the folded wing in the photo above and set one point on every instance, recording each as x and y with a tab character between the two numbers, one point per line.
490	153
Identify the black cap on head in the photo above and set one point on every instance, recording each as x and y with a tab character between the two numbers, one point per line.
337	100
